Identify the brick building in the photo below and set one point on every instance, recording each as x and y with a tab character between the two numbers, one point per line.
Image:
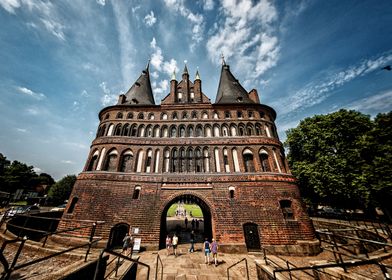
224	156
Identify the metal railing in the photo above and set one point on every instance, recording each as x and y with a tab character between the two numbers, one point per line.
233	265
156	268
9	269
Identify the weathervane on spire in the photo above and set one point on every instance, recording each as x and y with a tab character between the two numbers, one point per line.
223	59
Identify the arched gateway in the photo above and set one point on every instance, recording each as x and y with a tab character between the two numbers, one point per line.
225	157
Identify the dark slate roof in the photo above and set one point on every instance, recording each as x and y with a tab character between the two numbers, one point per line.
141	93
230	90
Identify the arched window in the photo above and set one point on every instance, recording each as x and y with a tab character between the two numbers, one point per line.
207	130
184	115
225	130
101	131
117	131
175	116
250	114
151	116
136	192
249	129
149	131
194	115
227	115
163	116
267	130
241	130
111	160
215	115
283	160
258	129
199	131
190	167
130	115
182	165
174	160
217	164
206	160
235	160
216	131
72	205
125	130
165	131
156	165
265	166
133	131
107	116
139	161
190	131
156	131
239	114
126	161
140	132
140	116
110	130
182	131
198	160
173	131
226	160
147	167
248	160
287	211
93	162
166	161
233	130
119	115
231	192
204	115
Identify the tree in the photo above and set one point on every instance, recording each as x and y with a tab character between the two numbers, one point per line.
18	175
61	190
325	156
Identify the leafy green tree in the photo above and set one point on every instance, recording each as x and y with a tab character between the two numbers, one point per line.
325	156
18	175
61	190
4	163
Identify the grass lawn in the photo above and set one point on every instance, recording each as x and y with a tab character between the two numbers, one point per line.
196	210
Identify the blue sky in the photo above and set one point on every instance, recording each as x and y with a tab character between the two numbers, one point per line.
61	62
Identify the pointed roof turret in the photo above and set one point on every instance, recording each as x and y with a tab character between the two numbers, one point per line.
185	74
185	69
141	92
197	75
230	90
173	76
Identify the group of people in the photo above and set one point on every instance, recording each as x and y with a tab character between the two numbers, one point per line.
208	247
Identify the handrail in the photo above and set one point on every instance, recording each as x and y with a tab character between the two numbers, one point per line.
156	268
246	265
121	256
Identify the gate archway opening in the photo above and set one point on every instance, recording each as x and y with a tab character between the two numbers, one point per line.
116	236
198	216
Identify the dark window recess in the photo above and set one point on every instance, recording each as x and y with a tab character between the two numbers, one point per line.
73	204
285	206
136	193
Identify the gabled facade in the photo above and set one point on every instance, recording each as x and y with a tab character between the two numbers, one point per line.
226	157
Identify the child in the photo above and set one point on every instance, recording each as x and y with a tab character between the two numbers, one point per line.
168	244
206	246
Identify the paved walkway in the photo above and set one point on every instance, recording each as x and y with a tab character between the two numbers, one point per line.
192	265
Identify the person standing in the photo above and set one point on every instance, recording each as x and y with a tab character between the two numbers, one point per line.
168	244
186	222
175	243
127	241
192	249
214	250
206	246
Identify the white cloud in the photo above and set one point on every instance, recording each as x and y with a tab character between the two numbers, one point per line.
316	92
252	55
150	19
108	98
85	93
127	50
32	111
208	5
23	130
10	5
67	161
37	170
101	2
55	28
29	92
381	102
158	62
197	20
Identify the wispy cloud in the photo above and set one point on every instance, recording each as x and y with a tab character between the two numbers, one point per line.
29	92
127	50
108	98
316	92
196	20
67	161
101	2
45	15
381	102
246	37
150	19
22	130
208	5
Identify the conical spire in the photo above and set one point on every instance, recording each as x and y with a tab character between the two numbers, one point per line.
185	70
230	90
173	76
141	92
197	75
